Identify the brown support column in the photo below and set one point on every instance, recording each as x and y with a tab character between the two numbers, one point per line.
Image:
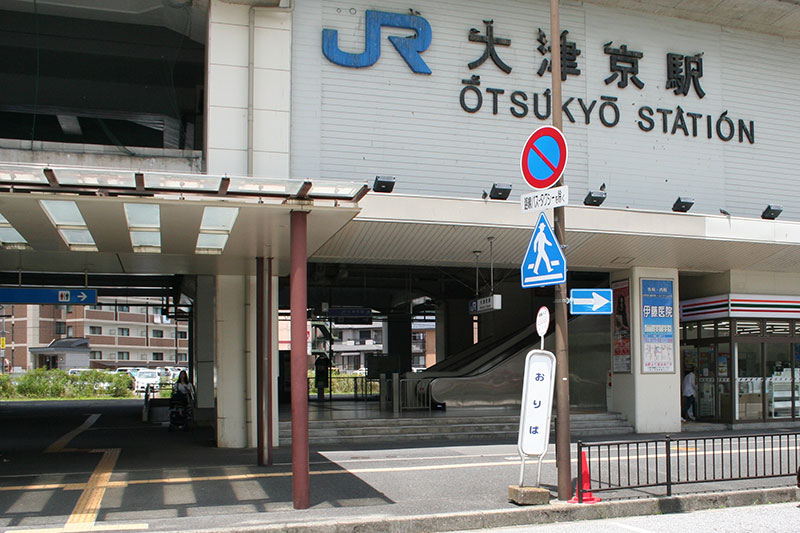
563	465
298	311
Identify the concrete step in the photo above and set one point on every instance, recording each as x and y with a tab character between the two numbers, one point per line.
413	421
501	428
577	419
416	430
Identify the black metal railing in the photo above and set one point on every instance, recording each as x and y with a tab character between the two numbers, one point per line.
354	387
620	465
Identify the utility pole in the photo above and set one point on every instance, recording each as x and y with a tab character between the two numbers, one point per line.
563	465
3	341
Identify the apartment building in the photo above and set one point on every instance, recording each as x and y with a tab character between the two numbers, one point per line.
353	343
129	333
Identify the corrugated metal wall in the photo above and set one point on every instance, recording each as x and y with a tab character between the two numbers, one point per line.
385	119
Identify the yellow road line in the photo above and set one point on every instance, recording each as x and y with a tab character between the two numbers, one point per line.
84	514
58	446
262	475
85	511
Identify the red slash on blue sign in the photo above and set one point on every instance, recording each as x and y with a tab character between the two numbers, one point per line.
544	157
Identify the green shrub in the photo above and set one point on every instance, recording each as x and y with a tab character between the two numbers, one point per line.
343	383
43	383
120	385
7	387
79	385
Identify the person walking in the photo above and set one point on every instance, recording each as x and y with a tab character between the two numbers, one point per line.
689	402
541	243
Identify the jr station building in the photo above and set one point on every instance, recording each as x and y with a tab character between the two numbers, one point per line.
238	158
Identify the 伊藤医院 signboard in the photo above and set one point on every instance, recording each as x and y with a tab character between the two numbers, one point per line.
658	325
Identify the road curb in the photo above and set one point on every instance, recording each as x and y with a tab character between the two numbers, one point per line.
554	512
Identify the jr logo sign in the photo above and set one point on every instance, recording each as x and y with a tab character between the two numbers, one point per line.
408	47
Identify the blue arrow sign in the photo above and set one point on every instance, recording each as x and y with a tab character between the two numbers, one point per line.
544	262
20	295
591	302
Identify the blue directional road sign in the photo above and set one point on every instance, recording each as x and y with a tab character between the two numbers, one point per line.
591	302
20	295
544	262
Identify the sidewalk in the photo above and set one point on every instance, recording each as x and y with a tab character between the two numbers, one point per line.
554	512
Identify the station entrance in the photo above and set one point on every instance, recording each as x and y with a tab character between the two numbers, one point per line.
194	242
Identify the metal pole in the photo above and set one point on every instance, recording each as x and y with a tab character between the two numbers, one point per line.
561	340
491	265
477	253
3	333
668	443
299	364
260	359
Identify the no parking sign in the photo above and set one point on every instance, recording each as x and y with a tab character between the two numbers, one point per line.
544	157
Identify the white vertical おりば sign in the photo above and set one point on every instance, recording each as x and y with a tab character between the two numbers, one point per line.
537	404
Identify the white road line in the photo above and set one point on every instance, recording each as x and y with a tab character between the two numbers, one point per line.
58	446
629	528
96	527
396	459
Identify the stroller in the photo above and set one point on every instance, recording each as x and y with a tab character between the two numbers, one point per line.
180	410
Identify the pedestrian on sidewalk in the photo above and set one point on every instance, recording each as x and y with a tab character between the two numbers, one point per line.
688	395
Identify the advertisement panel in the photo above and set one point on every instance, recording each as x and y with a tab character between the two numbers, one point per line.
658	336
621	360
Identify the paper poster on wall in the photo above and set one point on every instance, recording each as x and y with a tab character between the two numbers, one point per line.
621	359
658	336
722	365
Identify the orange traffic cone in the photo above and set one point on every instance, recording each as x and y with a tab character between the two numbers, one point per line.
586	483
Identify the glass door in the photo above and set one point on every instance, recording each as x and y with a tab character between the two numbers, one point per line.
724	382
749	381
705	373
796	382
779	380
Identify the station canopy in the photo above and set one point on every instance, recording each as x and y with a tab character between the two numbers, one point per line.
66	219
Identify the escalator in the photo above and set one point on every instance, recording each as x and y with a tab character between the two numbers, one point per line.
481	355
490	374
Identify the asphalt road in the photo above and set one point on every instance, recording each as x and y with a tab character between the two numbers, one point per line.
82	466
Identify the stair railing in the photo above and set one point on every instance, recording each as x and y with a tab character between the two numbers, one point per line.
415	394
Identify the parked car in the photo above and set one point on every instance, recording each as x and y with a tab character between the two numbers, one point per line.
170	372
128	370
78	371
144	378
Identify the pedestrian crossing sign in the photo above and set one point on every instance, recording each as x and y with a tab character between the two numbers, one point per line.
544	262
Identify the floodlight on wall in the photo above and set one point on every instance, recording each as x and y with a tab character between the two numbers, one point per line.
771	212
595	198
683	204
500	191
383	184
